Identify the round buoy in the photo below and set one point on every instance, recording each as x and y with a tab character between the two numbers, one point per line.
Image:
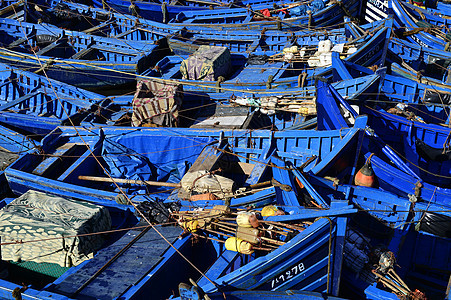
238	245
365	176
269	210
247	219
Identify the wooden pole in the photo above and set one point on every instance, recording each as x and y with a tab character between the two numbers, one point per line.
130	181
284	225
279	243
395	276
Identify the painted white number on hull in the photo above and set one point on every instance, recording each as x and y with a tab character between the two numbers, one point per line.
287	275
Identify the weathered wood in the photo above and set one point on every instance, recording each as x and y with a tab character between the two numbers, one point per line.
129	181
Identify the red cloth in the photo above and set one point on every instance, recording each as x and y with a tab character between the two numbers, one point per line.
266	12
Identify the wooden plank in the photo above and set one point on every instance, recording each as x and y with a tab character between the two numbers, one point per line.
125	271
51	162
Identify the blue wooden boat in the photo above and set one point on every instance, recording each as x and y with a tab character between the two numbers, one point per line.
416	142
254	295
322	234
239	18
407	23
407	72
87	19
248	41
427	61
182	40
419	200
37	105
291	266
425	99
206	250
407	26
294	107
83	60
96	277
395	176
425	96
276	271
431	16
441	8
246	76
436	8
414	232
100	277
138	251
129	254
268	40
155	11
79	281
26	96
39	173
12	145
14	142
433	92
101	22
164	13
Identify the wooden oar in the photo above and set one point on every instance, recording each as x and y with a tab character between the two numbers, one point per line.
130	181
148	182
284	225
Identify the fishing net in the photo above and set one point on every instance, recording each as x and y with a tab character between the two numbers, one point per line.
54	224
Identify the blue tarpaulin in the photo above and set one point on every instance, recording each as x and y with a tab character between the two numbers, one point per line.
150	157
313	6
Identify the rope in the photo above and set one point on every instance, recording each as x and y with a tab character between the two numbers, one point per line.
330	252
368	161
117	186
199	25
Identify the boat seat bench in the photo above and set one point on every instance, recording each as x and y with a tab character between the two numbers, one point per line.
82	53
112	49
50	47
100	26
20	41
79	163
10	104
52	162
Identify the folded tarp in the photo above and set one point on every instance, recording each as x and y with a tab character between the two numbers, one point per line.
156	103
207	63
139	156
53	223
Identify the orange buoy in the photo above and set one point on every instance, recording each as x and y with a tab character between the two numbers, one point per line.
365	176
